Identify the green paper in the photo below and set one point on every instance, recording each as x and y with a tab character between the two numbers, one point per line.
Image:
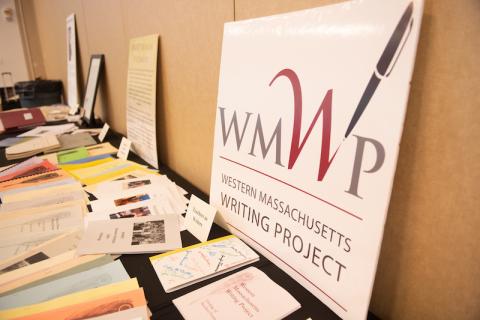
72	155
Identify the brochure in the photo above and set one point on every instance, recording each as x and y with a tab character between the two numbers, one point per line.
134	235
248	294
183	267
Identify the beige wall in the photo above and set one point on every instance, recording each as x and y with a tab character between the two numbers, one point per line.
430	261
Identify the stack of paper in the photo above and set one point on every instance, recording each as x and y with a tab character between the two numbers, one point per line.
160	184
29	167
55	113
32	147
160	189
20	118
92	278
103	170
41	131
180	268
109	299
48	139
83	155
37	209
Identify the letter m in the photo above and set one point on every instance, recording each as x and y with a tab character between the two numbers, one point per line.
326	107
234	124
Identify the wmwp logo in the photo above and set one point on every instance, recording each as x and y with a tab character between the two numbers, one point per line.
297	143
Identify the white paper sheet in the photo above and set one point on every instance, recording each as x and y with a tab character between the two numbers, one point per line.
141	97
72	85
248	294
134	235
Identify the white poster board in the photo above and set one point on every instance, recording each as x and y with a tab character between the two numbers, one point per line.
141	97
310	113
72	84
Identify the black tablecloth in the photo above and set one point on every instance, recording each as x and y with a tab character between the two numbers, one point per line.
160	303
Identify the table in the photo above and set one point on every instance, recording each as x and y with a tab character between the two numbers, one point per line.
160	303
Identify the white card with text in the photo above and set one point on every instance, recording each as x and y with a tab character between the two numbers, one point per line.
104	132
124	148
199	218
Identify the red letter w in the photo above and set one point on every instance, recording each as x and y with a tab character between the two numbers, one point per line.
326	106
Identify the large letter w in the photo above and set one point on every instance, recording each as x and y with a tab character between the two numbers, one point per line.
326	106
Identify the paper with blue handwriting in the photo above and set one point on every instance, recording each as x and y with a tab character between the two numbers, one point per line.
186	266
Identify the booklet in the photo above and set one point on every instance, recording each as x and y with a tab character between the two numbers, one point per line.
132	210
51	248
71	141
93	278
25	171
41	131
64	264
35	180
248	294
186	266
23	230
160	183
138	196
32	147
134	235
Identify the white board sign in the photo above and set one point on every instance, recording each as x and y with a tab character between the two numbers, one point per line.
141	97
310	113
72	80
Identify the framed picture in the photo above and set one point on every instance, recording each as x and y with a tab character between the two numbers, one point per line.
94	73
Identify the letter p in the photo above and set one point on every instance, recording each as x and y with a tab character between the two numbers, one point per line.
357	165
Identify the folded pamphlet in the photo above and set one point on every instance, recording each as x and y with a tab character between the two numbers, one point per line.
183	267
248	294
134	235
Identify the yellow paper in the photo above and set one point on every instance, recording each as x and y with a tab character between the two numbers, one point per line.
113	174
74	298
84	171
31	194
77	166
201	244
102	148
